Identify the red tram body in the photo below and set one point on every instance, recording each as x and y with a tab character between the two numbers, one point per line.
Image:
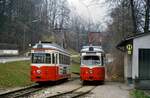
92	64
49	63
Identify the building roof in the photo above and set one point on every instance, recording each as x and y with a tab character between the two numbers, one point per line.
8	46
128	39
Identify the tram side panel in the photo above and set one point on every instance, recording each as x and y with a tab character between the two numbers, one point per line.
49	73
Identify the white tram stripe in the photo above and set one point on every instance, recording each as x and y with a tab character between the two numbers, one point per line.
90	66
42	64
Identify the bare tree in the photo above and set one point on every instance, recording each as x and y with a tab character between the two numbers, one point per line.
147	15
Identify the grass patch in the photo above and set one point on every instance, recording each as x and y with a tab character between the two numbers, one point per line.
76	59
15	74
138	94
75	68
72	52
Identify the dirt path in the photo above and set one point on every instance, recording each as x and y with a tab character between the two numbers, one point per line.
110	90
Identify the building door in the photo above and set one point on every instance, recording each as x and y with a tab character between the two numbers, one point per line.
144	63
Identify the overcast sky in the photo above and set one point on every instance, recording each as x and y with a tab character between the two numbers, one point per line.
95	10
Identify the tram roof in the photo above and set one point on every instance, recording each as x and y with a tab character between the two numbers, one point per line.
95	49
50	46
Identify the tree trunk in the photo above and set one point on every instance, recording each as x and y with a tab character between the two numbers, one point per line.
133	17
146	27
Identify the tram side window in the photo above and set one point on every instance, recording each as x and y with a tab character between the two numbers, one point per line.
102	57
56	59
48	58
63	59
60	58
53	58
68	60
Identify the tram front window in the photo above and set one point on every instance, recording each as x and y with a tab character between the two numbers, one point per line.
41	58
91	60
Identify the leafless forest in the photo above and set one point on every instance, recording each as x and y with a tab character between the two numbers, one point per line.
24	22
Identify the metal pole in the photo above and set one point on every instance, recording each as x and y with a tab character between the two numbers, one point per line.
24	37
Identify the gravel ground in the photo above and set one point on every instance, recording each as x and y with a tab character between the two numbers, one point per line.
107	90
68	86
5	90
110	90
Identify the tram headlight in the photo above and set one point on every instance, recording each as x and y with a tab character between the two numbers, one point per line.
38	71
86	72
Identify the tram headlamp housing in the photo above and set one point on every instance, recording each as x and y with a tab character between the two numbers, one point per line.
38	71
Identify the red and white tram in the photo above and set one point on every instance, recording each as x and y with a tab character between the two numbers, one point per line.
49	63
92	64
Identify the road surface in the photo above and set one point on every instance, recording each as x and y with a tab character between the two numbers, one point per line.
11	59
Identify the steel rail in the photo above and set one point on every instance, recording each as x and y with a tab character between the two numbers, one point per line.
20	92
24	92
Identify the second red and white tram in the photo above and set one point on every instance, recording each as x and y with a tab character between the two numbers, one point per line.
92	64
49	63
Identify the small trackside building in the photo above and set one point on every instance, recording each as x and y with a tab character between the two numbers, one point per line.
137	60
8	49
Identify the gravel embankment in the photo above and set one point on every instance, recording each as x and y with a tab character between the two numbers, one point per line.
68	86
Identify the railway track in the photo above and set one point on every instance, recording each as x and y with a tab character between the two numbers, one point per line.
25	92
21	92
74	93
